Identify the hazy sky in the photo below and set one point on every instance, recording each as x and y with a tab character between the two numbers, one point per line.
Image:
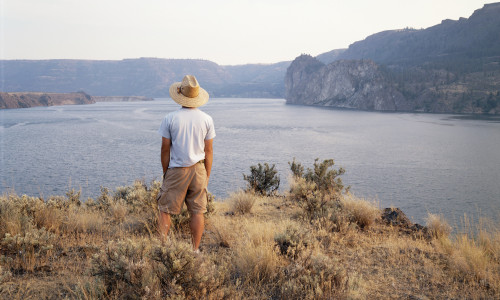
223	31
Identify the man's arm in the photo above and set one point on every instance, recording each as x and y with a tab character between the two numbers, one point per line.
165	153
209	156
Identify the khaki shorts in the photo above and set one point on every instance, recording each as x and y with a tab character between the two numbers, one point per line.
184	184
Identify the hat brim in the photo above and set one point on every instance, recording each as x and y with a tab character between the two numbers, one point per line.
200	100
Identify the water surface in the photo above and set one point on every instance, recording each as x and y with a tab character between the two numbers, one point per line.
419	162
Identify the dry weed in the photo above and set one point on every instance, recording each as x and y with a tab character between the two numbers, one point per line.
118	211
81	220
242	202
257	264
314	276
469	259
49	217
437	226
362	212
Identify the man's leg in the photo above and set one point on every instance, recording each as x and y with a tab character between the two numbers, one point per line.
163	224
197	225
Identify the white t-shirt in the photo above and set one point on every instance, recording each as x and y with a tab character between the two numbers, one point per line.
187	128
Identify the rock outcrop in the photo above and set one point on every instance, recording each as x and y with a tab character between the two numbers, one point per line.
343	84
23	100
452	67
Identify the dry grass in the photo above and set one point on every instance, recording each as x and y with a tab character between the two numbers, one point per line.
103	249
363	212
438	226
242	202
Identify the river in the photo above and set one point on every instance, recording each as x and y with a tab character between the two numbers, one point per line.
448	164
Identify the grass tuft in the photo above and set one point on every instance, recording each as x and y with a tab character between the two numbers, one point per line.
362	212
438	226
242	202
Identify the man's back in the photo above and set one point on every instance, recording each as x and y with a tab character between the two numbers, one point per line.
187	128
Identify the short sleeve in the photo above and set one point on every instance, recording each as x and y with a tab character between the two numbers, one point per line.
211	130
164	129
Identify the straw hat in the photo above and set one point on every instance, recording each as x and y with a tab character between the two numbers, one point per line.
188	93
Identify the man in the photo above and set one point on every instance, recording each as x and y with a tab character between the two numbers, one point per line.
186	158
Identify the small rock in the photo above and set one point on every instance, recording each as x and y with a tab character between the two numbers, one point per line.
396	217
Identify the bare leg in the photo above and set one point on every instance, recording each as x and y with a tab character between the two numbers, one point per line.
163	225
197	225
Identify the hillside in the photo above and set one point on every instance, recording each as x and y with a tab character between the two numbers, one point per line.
150	77
453	67
254	247
22	100
463	41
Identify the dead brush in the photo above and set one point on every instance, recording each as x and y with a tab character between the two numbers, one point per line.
11	219
257	264
49	217
82	220
474	254
470	260
182	273
118	210
123	269
437	226
313	276
219	231
361	212
293	241
27	251
242	202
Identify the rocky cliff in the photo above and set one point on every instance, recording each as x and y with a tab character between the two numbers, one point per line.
22	100
452	67
363	84
344	84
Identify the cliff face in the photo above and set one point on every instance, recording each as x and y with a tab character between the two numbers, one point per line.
23	100
344	84
452	67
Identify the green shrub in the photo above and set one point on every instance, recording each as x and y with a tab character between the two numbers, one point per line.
325	178
262	179
297	168
317	190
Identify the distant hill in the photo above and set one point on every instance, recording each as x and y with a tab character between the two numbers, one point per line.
451	67
23	100
149	77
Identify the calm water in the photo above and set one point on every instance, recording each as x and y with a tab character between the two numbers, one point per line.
419	162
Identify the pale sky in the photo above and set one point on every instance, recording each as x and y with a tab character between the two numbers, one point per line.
226	32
